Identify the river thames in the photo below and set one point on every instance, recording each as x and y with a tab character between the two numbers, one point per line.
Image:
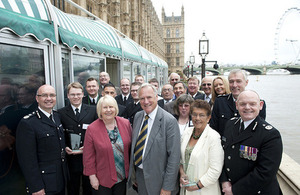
282	111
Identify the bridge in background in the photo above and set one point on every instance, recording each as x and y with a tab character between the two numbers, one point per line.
253	70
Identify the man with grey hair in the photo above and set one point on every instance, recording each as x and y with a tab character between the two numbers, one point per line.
224	107
173	78
252	149
155	141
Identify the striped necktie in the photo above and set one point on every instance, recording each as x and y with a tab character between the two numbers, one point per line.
140	144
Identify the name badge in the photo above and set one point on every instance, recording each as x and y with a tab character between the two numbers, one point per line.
85	126
248	152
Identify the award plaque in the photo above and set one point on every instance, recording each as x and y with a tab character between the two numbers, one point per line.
75	142
190	176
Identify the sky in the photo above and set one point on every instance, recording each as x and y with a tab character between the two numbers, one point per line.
239	32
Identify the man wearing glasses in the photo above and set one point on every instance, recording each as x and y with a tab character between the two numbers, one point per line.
206	88
40	145
75	119
174	78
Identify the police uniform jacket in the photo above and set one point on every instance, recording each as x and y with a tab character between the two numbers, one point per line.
40	145
252	157
86	100
224	109
131	110
119	100
72	125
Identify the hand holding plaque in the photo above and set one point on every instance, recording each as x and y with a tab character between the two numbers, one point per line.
75	142
190	176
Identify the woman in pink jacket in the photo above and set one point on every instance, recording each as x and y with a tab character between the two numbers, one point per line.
106	149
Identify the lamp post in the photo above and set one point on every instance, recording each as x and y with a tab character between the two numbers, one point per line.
192	61
188	68
203	51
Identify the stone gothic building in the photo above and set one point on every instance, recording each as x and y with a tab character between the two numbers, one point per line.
138	20
174	40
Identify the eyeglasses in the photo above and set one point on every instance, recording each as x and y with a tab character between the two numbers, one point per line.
77	94
44	95
208	84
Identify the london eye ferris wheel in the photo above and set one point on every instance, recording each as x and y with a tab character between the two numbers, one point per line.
287	38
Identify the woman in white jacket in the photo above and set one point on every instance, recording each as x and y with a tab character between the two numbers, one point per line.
201	154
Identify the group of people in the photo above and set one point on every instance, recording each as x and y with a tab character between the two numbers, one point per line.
207	137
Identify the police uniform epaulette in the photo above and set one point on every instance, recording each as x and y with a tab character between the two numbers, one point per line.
29	115
267	126
233	118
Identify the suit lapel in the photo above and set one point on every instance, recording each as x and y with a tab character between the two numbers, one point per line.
245	134
83	112
231	103
136	129
47	120
156	127
70	113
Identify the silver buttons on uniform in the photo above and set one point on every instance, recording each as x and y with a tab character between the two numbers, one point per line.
43	171
232	146
229	157
228	169
258	192
47	134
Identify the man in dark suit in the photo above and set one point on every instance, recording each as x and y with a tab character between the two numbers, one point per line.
40	145
75	119
92	88
125	97
224	107
155	141
109	89
167	95
179	88
193	88
252	149
134	106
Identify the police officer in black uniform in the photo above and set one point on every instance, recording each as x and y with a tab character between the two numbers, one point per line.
75	119
40	145
252	149
224	107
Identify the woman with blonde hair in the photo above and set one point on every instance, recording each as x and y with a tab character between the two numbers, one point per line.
106	149
220	86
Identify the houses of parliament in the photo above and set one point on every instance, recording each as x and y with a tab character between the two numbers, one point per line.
138	20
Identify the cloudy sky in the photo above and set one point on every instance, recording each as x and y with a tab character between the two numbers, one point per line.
239	31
